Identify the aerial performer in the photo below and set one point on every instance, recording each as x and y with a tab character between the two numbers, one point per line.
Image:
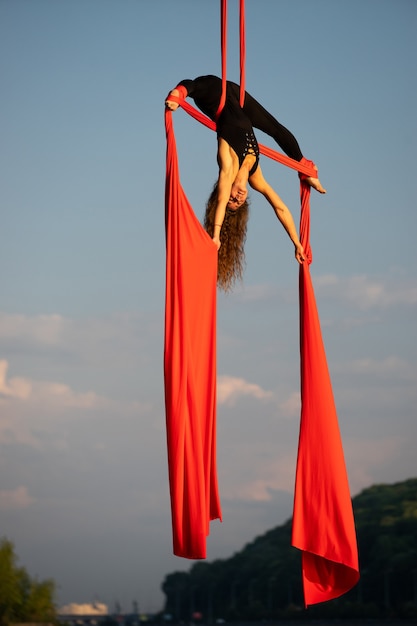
227	208
323	524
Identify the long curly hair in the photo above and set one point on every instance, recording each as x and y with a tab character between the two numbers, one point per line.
231	258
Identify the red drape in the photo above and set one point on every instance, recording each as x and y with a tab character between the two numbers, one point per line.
242	52
189	366
323	524
223	45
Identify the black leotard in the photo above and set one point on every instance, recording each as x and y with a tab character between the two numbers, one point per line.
235	124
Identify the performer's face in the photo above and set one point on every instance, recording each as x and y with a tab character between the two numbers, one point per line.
238	195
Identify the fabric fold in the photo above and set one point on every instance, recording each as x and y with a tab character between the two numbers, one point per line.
189	366
323	524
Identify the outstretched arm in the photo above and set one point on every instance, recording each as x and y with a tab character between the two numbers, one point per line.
227	173
258	182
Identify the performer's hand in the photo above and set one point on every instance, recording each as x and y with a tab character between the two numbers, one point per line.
299	253
170	104
217	243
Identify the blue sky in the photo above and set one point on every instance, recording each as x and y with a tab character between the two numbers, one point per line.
83	470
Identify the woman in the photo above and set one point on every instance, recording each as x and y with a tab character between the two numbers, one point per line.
238	158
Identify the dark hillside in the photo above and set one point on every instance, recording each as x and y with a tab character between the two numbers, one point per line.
263	580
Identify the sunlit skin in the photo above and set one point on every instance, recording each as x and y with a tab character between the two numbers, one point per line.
232	192
232	189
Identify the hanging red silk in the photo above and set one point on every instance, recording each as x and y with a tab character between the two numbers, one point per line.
189	366
323	525
242	52
223	44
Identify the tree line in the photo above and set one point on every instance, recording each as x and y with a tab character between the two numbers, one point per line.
263	580
23	598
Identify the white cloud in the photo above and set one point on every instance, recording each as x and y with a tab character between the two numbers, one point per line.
361	291
127	344
383	368
14	387
292	405
270	473
56	401
62	396
57	394
30	406
326	280
364	292
44	329
230	390
366	459
18	498
261	292
96	608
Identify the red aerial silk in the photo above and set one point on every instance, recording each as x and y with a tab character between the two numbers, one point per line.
242	51
323	525
189	366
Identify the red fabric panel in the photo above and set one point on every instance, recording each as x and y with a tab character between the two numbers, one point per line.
242	50
189	366
242	39
323	524
304	166
223	45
